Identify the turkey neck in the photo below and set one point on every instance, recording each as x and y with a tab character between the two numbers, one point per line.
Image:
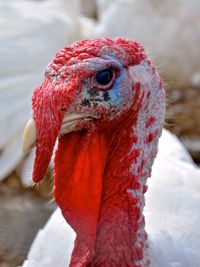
121	238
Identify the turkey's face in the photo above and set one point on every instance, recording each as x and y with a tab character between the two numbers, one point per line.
87	86
104	94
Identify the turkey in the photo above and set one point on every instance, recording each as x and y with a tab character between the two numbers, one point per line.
105	102
168	29
31	32
174	236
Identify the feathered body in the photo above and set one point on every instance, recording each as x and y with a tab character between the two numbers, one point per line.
101	169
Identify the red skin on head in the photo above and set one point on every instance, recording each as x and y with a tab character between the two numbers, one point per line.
86	165
55	94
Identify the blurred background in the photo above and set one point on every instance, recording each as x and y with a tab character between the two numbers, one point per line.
30	34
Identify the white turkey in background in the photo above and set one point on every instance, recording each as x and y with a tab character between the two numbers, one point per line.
172	213
30	34
88	8
169	30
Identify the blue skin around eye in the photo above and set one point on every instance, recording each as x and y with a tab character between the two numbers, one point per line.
116	93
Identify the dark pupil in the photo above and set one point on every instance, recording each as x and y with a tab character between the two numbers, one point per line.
104	77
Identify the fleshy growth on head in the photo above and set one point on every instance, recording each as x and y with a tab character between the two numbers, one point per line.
127	51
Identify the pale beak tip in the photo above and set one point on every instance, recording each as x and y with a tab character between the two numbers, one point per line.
29	137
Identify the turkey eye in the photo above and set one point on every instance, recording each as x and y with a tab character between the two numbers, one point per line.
103	77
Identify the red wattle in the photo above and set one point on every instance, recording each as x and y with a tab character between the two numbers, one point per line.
79	166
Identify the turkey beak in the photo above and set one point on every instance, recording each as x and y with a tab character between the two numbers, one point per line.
29	136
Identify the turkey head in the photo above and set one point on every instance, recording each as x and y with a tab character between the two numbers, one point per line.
104	101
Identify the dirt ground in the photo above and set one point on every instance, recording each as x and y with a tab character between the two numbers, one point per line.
23	211
183	118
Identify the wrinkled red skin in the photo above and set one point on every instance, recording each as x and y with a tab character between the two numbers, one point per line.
48	122
93	169
54	95
116	209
